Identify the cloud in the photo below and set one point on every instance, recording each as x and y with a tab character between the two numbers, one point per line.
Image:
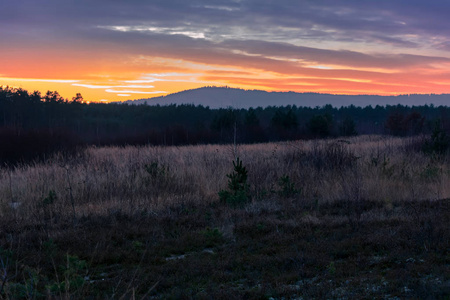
160	30
93	86
345	21
133	92
40	80
221	7
333	57
148	78
377	42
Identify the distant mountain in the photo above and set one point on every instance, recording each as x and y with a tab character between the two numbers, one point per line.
222	97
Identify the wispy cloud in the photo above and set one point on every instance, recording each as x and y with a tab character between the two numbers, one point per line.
160	30
221	7
166	77
133	92
93	86
39	80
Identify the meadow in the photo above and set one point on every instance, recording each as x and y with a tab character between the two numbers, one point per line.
360	217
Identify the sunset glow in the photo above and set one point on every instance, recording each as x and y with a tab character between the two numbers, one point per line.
114	51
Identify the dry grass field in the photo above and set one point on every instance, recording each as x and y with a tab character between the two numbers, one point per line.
364	217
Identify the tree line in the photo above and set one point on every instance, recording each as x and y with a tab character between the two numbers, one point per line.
33	125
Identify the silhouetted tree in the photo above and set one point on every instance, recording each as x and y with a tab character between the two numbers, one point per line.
395	124
53	97
400	125
224	123
77	99
321	125
414	123
251	119
348	127
253	130
286	121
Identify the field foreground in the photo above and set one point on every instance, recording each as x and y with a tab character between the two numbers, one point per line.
359	218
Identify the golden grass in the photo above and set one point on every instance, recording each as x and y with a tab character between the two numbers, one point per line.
112	179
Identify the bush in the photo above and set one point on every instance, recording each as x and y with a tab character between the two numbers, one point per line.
336	155
439	142
287	187
155	170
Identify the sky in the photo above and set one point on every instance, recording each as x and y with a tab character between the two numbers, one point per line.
111	50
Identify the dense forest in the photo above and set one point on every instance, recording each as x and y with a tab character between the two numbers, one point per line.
33	125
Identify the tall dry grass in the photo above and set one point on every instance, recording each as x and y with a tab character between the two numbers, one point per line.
111	180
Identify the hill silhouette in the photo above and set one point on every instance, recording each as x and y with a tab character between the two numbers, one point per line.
223	97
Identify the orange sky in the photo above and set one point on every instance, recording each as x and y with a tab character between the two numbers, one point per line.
128	80
120	51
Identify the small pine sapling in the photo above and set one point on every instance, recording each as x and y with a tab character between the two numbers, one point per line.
238	192
287	187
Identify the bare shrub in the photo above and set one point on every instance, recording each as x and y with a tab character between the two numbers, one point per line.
335	155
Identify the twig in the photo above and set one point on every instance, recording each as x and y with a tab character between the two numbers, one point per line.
11	194
134	275
72	200
4	275
149	290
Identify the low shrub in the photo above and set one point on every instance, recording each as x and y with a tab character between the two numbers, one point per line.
439	142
